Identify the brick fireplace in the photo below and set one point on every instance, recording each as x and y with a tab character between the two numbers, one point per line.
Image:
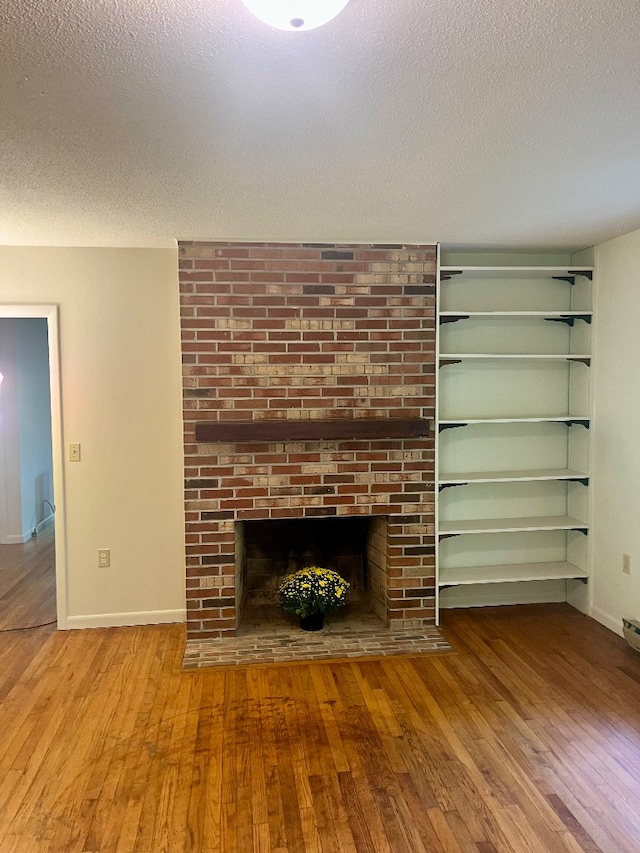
308	395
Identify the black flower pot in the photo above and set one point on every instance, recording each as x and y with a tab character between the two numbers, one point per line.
315	622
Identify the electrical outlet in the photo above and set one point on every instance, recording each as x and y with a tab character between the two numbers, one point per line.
626	564
104	558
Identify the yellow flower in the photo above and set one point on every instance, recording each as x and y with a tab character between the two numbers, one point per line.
323	583
306	586
338	593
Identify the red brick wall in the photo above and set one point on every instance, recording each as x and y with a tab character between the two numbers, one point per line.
298	331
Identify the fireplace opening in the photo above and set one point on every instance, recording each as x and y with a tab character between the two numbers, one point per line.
267	550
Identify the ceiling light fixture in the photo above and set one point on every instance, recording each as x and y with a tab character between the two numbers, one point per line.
295	14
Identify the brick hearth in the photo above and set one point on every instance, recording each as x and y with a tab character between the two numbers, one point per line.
302	334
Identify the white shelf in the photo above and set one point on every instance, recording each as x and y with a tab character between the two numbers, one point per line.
559	419
523	272
445	356
511	525
514	573
511	476
570	312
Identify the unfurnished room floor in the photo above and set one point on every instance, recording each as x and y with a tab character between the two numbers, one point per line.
525	738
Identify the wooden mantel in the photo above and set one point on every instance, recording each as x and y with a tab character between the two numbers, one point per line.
320	429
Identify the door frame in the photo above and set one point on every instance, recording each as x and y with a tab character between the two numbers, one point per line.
49	312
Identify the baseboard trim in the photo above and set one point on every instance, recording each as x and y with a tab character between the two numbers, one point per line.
121	620
15	539
607	620
23	538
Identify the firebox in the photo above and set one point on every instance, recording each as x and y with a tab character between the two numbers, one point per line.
269	550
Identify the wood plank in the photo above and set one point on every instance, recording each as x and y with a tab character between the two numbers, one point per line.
320	429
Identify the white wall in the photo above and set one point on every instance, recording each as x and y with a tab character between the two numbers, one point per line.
26	478
10	486
121	399
34	400
616	439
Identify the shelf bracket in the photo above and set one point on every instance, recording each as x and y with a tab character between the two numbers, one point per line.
443	536
584	481
583	530
443	486
586	273
569	319
570	279
573	422
443	361
585	317
442	427
447	274
586	361
455	319
582	580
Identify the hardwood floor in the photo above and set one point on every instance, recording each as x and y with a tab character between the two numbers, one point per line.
28	582
526	738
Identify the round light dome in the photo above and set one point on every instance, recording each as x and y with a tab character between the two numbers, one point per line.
295	14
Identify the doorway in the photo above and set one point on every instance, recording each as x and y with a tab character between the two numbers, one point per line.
31	475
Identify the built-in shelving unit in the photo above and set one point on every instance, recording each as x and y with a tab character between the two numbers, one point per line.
513	431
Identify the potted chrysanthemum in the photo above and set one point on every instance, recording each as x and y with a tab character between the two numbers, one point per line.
312	592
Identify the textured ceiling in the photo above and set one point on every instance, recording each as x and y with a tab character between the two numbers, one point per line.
492	123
